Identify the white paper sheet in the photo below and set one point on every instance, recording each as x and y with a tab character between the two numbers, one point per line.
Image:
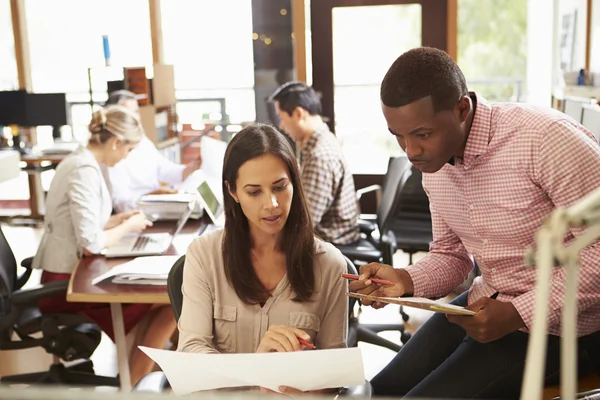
213	153
303	370
152	267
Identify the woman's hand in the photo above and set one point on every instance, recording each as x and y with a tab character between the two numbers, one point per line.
118	219
137	223
281	338
286	390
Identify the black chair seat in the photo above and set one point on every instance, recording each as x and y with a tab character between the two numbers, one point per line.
363	250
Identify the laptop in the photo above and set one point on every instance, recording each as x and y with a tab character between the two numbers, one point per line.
211	204
148	244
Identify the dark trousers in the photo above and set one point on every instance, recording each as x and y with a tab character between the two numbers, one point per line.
440	361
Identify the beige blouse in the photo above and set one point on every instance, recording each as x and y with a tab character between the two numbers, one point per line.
215	320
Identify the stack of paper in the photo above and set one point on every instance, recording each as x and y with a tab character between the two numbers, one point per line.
140	271
165	206
302	370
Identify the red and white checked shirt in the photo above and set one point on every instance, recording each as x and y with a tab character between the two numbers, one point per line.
520	163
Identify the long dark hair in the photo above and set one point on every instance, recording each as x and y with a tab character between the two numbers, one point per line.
298	236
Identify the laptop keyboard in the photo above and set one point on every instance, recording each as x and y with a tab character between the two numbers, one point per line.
142	242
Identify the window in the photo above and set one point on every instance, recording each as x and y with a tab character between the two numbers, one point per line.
210	45
8	66
359	64
65	39
492	47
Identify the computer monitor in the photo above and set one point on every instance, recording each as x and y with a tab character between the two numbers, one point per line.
591	119
574	108
33	109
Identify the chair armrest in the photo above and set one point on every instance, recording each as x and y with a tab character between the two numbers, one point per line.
154	382
363	391
24	277
371	188
31	296
367	227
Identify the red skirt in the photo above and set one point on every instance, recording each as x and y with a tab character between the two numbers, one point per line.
99	313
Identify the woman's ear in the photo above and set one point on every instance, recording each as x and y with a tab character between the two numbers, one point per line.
232	194
114	142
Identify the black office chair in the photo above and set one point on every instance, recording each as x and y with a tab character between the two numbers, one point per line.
410	217
66	336
157	382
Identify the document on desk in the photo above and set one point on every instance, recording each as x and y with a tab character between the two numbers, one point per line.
303	370
417	302
151	270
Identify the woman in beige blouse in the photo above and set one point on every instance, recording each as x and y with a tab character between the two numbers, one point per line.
264	280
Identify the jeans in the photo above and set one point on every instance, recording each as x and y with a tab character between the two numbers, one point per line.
440	361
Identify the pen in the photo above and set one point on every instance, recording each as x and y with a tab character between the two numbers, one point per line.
374	280
306	343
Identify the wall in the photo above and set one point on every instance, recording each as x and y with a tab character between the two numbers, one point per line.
595	45
580	6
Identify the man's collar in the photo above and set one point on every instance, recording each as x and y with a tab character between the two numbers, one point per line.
480	132
312	141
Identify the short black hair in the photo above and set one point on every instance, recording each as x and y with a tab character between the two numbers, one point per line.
422	72
297	94
118	96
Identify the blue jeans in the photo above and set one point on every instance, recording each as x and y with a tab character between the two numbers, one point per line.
440	361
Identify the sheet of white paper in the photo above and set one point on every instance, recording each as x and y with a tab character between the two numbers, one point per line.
150	267
303	370
213	153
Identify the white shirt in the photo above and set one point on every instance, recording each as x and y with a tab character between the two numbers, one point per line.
78	207
140	173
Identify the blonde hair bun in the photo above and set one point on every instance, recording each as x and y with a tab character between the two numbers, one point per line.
115	121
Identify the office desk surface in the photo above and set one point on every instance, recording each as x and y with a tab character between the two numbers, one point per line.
81	288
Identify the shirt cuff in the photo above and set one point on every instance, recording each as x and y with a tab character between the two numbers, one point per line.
96	246
419	280
174	175
524	305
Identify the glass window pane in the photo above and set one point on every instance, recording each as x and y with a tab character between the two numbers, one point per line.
359	65
209	43
492	47
8	65
65	39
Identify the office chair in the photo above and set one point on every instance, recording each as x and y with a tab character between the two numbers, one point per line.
157	382
411	218
66	336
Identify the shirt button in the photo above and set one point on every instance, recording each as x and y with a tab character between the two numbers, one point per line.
466	167
485	241
493	269
471	206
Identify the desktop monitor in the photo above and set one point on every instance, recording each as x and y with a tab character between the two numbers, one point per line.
33	109
574	109
591	119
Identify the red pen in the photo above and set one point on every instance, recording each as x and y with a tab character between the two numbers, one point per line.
374	280
306	343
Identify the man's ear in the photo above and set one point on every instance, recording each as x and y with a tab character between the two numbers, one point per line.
298	113
232	194
464	107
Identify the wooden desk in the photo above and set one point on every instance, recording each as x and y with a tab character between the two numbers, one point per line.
36	192
81	289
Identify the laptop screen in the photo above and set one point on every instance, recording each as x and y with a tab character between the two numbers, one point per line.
211	201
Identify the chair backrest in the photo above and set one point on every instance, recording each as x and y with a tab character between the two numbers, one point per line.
175	280
398	172
8	273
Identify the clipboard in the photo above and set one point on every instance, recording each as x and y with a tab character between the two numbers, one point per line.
417	302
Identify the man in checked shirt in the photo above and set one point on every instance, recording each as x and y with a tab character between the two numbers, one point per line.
492	172
327	181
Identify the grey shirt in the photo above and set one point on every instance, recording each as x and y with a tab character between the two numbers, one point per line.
215	320
78	207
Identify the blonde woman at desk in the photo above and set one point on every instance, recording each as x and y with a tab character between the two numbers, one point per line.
263	283
78	222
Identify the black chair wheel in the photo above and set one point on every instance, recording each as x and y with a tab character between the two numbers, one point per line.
404	337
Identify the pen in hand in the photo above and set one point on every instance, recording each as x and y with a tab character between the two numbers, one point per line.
374	280
306	343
